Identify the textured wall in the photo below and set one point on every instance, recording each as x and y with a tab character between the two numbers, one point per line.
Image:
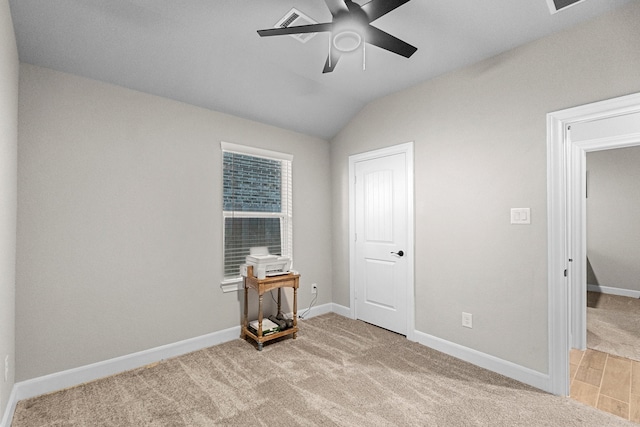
480	149
613	212
8	177
120	220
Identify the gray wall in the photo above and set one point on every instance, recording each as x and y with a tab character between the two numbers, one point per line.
480	149
119	201
8	177
120	220
613	218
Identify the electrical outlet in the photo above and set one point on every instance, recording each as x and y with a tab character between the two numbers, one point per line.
314	288
467	320
6	368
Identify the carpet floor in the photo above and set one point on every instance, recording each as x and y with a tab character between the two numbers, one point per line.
339	372
613	324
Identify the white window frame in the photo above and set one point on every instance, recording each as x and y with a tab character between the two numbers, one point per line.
286	215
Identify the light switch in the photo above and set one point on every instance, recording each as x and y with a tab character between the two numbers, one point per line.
520	215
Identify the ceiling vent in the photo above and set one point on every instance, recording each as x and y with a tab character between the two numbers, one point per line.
558	5
295	18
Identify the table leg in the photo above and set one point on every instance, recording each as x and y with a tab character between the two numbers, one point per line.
245	319
279	301
260	316
260	323
295	310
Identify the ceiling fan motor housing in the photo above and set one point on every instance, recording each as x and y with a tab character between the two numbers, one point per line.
349	29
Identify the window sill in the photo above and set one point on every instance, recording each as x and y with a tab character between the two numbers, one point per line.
231	285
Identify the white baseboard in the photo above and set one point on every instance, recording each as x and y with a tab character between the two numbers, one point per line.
486	361
614	291
341	310
76	376
324	309
319	310
10	409
72	377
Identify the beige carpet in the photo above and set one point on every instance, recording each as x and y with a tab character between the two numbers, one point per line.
613	324
339	372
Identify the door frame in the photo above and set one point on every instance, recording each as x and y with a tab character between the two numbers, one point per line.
407	149
566	230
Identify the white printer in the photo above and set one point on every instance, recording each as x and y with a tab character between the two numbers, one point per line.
265	264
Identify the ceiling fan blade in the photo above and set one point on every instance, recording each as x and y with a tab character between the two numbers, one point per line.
300	29
336	6
376	8
332	60
386	41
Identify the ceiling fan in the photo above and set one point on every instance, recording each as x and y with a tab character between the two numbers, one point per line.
350	28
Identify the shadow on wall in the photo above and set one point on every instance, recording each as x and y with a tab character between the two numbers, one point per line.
592	297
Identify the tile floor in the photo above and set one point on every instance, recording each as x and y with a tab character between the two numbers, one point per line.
609	383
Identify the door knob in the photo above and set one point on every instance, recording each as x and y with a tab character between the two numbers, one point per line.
399	253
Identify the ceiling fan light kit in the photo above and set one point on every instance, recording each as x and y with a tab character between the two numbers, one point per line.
347	41
351	28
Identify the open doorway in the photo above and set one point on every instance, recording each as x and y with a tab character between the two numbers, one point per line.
596	378
571	134
613	251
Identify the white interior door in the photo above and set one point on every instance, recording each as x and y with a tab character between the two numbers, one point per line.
381	241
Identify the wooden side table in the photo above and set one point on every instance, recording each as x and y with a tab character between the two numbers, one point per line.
264	285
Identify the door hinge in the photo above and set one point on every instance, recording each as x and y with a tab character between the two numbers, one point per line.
565	272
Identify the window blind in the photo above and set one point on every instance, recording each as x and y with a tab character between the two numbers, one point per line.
257	205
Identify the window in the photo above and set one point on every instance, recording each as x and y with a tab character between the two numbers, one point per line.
256	204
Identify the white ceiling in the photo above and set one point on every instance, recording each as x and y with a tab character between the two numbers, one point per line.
207	52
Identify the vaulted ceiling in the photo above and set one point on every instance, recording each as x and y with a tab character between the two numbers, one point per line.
207	52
